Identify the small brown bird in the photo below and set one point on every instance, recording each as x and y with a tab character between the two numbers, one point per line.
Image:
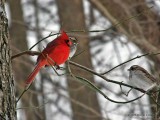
140	78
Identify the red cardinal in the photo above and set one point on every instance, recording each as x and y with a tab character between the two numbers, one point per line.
56	52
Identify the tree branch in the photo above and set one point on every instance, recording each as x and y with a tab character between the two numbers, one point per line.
26	53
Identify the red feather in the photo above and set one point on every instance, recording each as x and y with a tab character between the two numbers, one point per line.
33	74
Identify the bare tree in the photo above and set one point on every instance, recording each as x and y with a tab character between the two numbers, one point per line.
7	93
21	66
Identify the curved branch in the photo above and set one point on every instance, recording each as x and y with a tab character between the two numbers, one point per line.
26	53
103	77
147	54
87	31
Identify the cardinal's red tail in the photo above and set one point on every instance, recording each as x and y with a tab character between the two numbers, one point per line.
33	74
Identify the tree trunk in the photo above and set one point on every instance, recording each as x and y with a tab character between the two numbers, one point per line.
21	65
143	30
7	94
71	18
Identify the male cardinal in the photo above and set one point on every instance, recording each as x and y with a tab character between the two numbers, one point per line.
55	53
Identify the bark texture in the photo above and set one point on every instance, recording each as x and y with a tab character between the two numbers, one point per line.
7	94
21	65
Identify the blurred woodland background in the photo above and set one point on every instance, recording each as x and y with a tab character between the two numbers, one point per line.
65	98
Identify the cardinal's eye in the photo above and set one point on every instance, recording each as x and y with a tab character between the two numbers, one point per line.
67	41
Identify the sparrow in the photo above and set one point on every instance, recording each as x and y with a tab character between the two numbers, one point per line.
73	47
140	78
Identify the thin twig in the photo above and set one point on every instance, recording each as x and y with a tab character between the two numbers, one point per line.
115	25
146	54
87	31
26	53
25	90
33	107
126	94
78	54
103	77
43	39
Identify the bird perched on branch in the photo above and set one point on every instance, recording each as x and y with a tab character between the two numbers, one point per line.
55	53
140	78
